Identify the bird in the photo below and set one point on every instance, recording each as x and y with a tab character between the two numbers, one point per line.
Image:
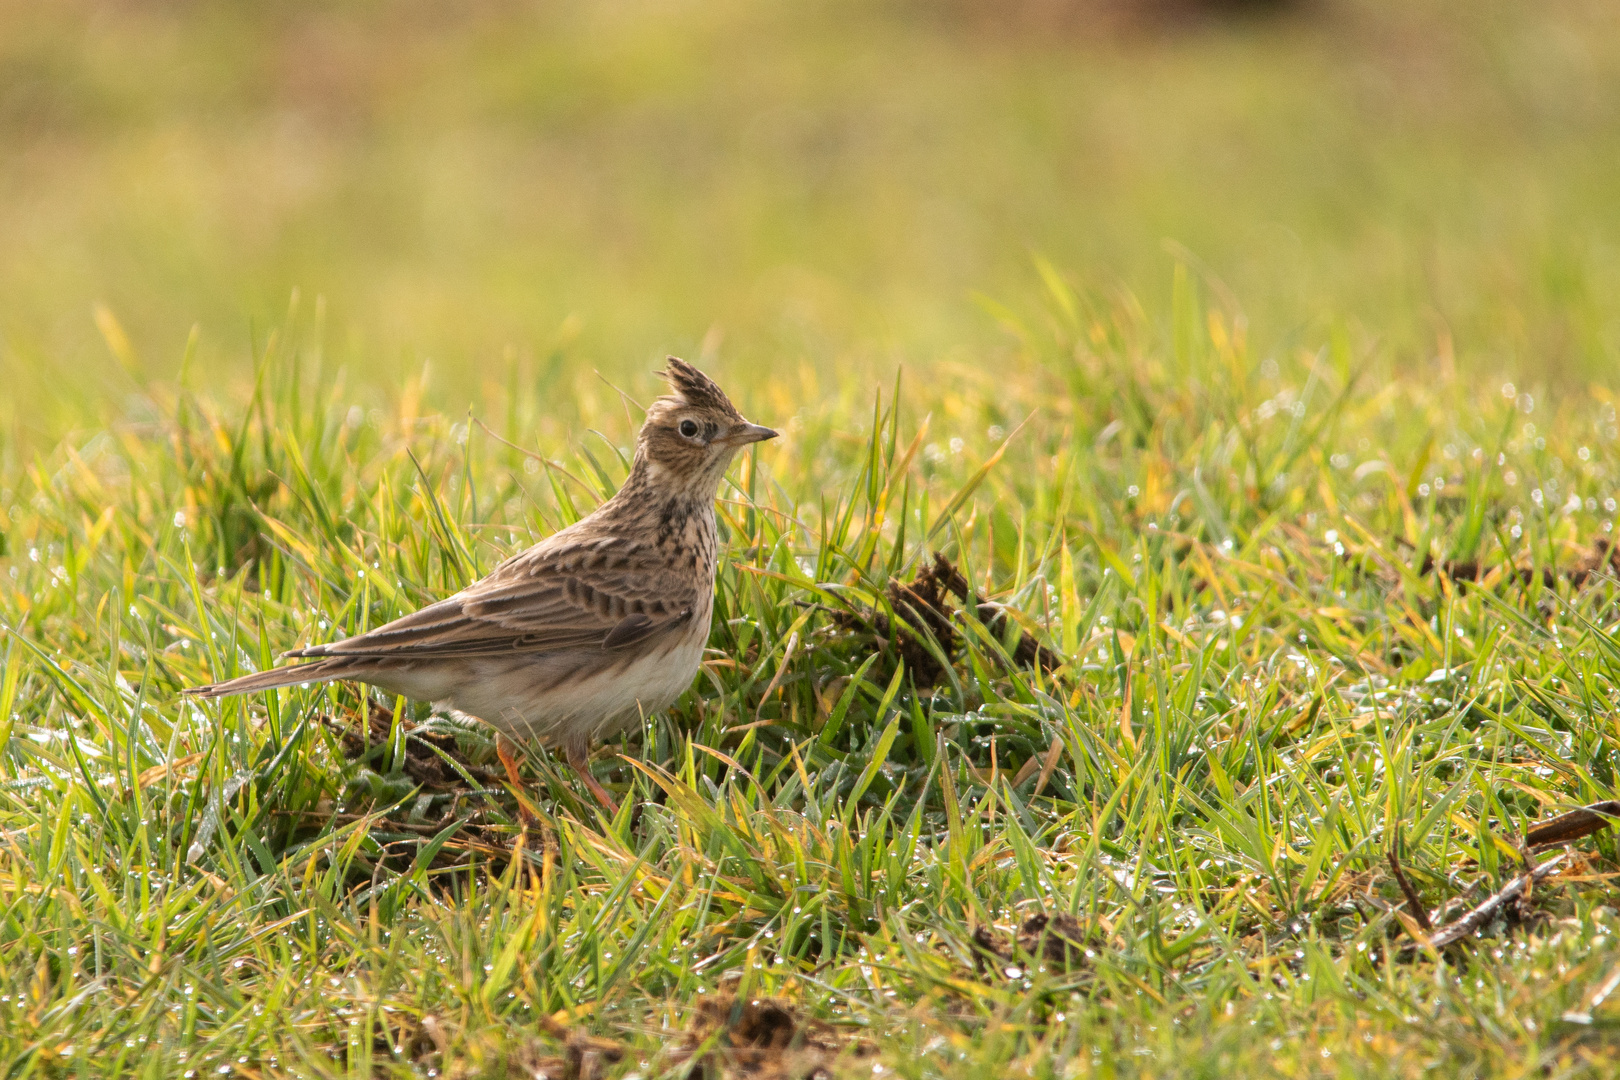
587	632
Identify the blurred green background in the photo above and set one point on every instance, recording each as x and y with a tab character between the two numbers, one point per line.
832	182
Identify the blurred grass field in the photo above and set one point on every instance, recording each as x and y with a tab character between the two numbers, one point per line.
829	181
1264	369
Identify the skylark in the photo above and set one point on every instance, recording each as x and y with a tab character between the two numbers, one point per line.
586	632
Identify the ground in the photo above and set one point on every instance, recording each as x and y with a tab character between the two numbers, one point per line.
1135	658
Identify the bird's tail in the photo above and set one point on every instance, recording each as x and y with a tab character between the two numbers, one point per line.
291	675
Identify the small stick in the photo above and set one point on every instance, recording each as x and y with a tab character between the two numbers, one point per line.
1463	927
1419	912
1573	825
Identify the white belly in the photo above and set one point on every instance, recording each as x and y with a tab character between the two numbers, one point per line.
559	698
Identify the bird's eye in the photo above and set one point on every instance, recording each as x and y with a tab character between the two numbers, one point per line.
689	429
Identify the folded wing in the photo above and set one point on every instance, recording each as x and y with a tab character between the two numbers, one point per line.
602	592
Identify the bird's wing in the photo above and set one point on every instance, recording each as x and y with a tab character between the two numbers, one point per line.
598	592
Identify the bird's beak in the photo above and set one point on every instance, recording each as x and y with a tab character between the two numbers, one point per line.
743	434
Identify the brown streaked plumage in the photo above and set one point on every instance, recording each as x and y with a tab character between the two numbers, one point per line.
585	632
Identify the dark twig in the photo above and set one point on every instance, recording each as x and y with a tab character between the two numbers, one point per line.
1487	910
1420	914
1573	825
1559	830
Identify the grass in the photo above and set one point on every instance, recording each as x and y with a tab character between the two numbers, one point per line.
1262	690
1241	496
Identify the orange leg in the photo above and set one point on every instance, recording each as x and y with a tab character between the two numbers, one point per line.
581	764
504	749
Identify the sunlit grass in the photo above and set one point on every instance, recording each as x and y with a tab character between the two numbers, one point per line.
1262	690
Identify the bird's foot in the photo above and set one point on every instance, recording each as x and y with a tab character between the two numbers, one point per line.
580	762
528	813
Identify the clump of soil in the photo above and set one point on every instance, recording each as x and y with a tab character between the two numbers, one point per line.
1604	558
728	1038
425	749
731	1038
1058	940
504	1057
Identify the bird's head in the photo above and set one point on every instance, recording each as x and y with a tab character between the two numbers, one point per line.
691	433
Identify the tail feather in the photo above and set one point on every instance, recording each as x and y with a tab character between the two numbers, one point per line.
291	675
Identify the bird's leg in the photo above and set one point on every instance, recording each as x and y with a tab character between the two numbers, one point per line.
505	750
581	764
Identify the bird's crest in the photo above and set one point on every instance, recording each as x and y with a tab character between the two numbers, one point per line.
695	388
